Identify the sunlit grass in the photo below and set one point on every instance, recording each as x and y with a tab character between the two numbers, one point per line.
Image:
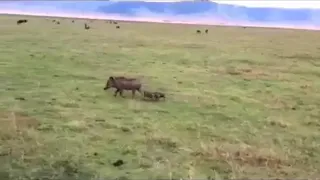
241	102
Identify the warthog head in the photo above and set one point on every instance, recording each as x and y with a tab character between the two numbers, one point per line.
160	95
110	83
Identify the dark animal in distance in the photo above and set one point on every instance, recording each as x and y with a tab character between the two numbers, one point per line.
119	162
121	83
206	31
72	21
198	31
113	22
57	22
118	27
86	26
22	21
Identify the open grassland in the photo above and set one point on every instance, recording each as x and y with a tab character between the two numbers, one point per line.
241	102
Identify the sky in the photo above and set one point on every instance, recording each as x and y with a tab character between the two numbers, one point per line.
274	3
310	19
260	3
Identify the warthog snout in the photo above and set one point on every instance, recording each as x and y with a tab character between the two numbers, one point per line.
109	84
106	87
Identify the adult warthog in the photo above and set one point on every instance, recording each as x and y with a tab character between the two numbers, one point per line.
121	83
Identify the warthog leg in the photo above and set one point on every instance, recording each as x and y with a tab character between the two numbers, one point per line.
116	93
139	90
133	93
121	93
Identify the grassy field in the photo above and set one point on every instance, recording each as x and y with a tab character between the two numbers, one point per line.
241	102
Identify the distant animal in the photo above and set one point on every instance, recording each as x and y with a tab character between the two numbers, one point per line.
121	83
118	163
206	31
21	21
198	31
72	21
57	22
54	20
115	22
86	26
118	27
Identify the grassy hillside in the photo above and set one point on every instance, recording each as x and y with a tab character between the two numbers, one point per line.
241	102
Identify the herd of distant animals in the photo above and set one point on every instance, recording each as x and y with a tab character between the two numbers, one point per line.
206	31
121	83
86	26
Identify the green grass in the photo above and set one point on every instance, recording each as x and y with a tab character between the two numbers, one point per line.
241	102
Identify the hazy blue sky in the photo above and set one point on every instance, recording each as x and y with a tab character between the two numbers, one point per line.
260	3
274	3
219	14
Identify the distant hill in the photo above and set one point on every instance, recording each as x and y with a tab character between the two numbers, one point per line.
171	10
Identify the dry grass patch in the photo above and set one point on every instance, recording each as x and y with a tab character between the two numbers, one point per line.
18	136
242	155
277	121
165	142
277	103
249	73
12	123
